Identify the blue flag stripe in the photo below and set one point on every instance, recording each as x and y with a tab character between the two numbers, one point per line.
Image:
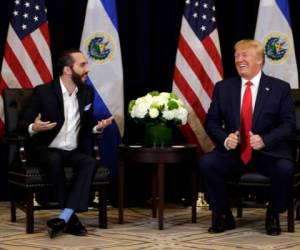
111	10
283	5
111	137
100	109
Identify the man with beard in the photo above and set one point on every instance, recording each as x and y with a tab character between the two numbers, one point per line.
57	120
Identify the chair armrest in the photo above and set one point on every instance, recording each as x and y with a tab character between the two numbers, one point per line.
96	148
15	139
19	141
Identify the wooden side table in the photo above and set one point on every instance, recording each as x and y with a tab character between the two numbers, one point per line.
157	157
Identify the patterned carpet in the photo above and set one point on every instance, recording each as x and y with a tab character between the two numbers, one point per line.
140	232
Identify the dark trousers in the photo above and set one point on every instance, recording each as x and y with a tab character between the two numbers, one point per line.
216	167
83	165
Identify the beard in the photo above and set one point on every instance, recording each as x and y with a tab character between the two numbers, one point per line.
77	78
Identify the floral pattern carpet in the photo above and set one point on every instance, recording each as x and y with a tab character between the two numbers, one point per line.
140	232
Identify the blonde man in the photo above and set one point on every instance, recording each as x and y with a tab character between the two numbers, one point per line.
249	119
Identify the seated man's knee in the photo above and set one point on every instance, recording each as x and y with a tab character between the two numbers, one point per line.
54	163
91	163
284	168
207	162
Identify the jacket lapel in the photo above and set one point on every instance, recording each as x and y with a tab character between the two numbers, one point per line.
58	93
236	102
80	98
262	95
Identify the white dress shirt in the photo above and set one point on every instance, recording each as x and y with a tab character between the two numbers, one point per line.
254	88
66	138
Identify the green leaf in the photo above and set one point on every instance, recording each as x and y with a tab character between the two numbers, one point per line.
130	106
172	105
154	93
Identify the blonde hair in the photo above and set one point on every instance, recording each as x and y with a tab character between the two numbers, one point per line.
251	43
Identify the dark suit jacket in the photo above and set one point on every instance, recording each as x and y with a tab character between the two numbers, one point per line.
47	100
273	117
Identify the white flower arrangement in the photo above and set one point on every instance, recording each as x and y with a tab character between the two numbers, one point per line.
158	108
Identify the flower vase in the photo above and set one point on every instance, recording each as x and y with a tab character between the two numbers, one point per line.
158	134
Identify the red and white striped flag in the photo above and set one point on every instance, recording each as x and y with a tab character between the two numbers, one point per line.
27	58
198	67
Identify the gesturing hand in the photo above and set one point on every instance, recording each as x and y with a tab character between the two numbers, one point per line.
104	123
39	125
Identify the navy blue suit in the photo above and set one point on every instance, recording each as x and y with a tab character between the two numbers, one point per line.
273	119
48	101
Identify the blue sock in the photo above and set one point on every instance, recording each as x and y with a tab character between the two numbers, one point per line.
66	214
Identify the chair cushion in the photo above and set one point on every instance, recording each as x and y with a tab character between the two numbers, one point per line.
29	176
252	178
33	176
255	178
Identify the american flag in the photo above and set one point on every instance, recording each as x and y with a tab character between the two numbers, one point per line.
198	67
27	59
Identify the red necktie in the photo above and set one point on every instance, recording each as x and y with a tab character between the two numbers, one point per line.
246	124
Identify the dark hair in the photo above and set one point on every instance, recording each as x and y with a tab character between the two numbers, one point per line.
66	59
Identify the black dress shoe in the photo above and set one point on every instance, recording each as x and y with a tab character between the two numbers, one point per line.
222	222
55	226
75	227
272	223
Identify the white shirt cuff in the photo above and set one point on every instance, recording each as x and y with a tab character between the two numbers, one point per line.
95	131
30	130
225	144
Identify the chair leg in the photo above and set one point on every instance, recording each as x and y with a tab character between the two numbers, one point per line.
239	209
298	211
290	217
29	212
13	217
102	209
239	212
13	211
